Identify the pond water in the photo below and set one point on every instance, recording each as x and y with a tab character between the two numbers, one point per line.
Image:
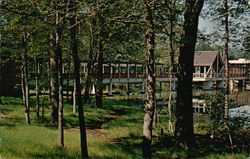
239	96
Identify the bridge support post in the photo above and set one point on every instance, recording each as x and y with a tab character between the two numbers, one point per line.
92	89
204	108
161	86
110	88
243	83
143	87
127	88
135	70
127	85
174	85
231	85
110	79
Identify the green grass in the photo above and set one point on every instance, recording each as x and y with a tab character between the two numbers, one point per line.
116	133
34	142
39	140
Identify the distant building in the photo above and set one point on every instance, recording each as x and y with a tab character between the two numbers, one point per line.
209	67
208	64
239	68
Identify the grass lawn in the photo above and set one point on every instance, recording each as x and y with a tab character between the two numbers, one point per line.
113	132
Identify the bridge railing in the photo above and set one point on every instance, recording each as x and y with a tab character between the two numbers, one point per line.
133	75
238	71
167	75
163	75
237	74
199	75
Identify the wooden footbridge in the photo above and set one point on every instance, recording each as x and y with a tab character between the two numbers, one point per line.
208	72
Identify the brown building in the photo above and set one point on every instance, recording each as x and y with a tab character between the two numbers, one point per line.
208	64
239	68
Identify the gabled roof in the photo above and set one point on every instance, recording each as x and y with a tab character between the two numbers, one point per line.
205	58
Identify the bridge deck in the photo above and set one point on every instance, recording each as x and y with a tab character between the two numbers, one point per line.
134	78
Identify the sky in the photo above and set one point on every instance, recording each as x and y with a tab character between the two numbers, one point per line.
205	25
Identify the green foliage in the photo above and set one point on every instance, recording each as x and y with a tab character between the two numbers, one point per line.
216	108
246	46
207	41
216	103
215	126
240	131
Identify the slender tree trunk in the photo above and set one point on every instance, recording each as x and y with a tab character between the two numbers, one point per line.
171	54
1	102
76	60
150	102
54	79
99	60
89	66
24	74
184	106
60	104
68	79
43	102
37	89
74	98
58	51
170	119
226	79
49	86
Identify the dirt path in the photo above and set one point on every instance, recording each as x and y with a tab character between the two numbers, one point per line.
95	128
98	124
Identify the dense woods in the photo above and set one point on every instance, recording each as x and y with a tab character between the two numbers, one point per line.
62	49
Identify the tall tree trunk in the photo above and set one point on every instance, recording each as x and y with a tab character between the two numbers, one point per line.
76	61
44	90
60	95
24	74
171	5
184	106
99	60
37	89
226	79
54	79
68	79
49	86
150	102
58	50
90	65
74	98
1	102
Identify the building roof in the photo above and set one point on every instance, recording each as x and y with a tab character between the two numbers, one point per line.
205	58
239	61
